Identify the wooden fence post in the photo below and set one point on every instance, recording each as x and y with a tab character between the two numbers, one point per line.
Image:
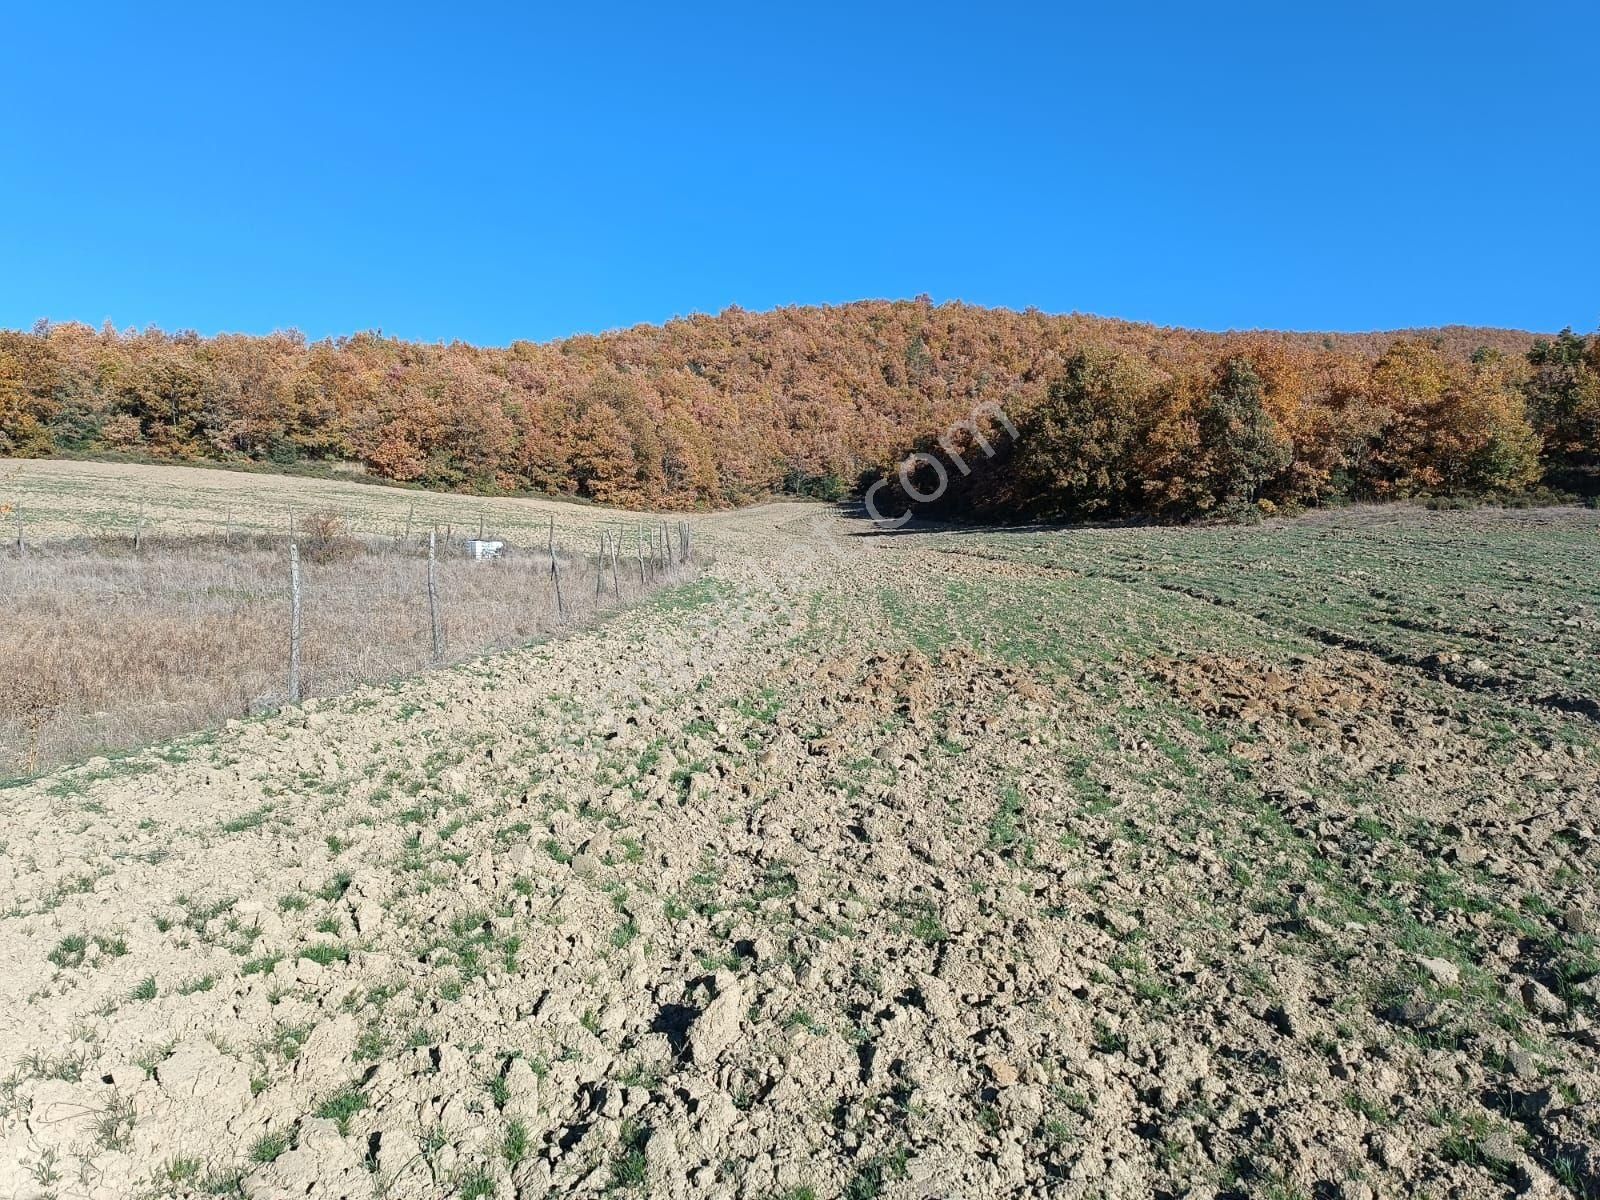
294	623
555	573
638	545
227	529
616	544
138	528
600	567
433	597
20	544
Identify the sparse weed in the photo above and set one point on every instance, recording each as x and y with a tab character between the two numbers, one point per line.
269	1147
342	1106
628	1166
113	1125
516	1144
253	819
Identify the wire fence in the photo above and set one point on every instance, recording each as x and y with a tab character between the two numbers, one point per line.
108	643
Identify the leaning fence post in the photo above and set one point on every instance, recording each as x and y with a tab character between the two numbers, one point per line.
294	623
616	544
555	573
433	598
600	567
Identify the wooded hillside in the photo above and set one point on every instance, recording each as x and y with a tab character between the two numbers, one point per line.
711	411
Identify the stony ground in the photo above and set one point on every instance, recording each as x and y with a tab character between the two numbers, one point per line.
1250	862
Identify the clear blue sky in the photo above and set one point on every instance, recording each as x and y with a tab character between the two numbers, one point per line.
490	172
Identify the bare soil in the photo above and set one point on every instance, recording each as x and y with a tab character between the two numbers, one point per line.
1254	862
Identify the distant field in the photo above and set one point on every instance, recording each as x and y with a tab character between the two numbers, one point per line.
60	498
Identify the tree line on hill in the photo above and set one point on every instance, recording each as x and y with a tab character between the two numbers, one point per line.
1266	425
1113	418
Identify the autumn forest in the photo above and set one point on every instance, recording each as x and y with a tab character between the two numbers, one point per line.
1111	419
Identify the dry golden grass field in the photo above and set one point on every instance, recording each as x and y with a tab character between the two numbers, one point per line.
146	602
62	498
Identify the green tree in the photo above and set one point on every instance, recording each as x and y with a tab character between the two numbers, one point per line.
1564	399
1242	446
1075	448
